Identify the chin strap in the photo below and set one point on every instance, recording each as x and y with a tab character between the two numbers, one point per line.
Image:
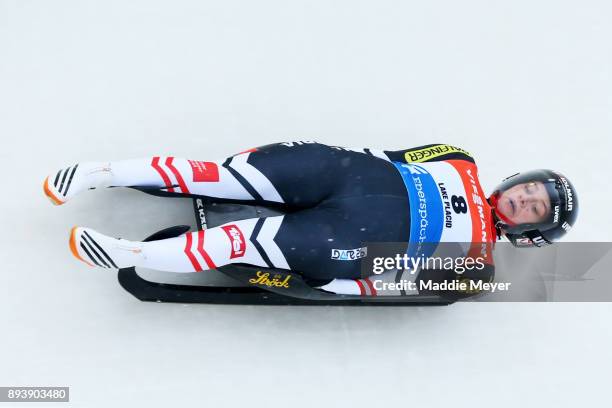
497	227
498	224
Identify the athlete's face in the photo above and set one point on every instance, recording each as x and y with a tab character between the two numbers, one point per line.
525	203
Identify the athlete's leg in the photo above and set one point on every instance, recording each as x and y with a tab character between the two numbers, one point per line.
247	241
296	174
168	174
322	243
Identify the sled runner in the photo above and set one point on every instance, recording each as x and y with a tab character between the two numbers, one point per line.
245	284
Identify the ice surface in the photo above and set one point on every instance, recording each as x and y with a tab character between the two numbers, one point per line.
520	84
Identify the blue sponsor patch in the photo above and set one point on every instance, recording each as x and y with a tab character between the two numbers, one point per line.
426	211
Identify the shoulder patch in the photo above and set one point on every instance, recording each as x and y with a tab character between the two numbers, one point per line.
432	152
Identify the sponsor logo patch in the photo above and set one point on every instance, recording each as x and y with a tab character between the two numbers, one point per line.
569	205
237	240
201	214
204	171
523	242
349	254
539	240
277	281
417	156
